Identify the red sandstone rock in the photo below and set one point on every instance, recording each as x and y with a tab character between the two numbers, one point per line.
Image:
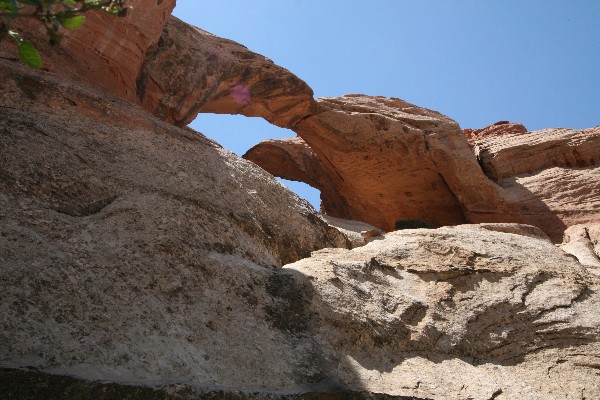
193	71
294	160
374	159
384	160
107	52
500	128
553	174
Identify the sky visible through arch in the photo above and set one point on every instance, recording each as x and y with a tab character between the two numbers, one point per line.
536	62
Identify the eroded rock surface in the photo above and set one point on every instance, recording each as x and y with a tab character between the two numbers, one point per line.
69	154
500	128
141	260
459	312
107	52
554	174
380	160
583	242
462	312
194	71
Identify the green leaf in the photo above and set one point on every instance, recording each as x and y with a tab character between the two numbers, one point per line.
71	21
8	6
29	54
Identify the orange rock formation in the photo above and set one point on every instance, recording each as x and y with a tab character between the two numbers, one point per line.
374	159
498	129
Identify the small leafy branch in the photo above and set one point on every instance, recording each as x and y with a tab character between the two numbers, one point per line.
53	14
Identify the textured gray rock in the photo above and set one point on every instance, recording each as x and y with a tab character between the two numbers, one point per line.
464	312
161	289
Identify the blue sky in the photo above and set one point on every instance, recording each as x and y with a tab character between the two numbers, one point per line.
478	61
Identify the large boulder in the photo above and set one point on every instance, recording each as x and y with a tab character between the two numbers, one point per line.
86	158
467	312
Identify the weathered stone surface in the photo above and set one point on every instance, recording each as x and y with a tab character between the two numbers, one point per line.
77	154
359	233
293	159
146	257
512	155
458	312
381	160
583	241
500	128
194	71
463	312
111	221
107	52
554	174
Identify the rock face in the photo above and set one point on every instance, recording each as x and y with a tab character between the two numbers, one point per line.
500	128
107	52
140	260
76	157
293	159
194	71
447	314
380	160
463	312
583	241
554	174
355	146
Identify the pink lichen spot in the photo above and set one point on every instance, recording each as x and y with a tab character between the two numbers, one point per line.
240	93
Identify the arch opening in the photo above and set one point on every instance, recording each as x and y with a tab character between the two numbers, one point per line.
238	133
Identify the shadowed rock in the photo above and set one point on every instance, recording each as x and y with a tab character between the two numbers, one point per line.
553	174
193	71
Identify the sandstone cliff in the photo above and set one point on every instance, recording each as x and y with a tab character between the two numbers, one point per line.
141	260
554	175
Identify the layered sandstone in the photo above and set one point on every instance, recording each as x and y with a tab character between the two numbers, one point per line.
107	52
554	174
500	128
381	160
